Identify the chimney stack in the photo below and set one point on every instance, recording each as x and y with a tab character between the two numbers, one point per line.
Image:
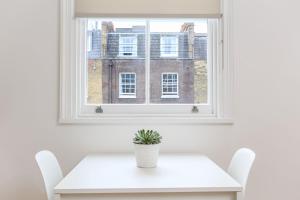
189	28
106	27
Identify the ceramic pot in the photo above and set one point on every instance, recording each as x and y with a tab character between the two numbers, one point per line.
146	155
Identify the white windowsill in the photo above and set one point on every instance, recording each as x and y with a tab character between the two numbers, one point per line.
168	56
149	119
169	97
127	97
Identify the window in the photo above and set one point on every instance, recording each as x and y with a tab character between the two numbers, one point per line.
169	84
169	46
139	67
127	85
120	53
127	46
136	46
170	58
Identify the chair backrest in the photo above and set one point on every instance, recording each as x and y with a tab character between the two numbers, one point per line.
50	170
240	166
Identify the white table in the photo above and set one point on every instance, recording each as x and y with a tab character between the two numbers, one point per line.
177	177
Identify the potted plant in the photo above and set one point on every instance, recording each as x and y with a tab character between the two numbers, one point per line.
146	148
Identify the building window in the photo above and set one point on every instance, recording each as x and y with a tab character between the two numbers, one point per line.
127	85
127	46
169	84
169	46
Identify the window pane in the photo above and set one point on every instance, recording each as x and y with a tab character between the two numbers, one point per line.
128	45
169	84
178	58
115	61
128	85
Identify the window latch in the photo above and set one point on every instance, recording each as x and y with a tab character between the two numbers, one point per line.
99	109
195	109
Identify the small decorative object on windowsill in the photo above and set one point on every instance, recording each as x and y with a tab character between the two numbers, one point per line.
99	109
146	148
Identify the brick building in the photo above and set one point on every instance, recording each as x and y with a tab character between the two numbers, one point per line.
116	64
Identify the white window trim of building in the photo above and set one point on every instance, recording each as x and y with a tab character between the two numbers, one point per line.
164	46
89	41
73	79
168	95
121	83
132	45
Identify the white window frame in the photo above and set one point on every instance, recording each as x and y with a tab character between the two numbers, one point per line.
169	95
123	95
133	45
89	42
73	108
174	47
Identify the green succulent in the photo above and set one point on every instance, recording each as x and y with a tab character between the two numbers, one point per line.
147	137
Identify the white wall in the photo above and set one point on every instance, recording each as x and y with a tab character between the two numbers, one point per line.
266	102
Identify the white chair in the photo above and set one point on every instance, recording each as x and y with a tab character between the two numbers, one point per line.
240	166
50	170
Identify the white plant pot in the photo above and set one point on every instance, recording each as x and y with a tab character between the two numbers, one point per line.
146	155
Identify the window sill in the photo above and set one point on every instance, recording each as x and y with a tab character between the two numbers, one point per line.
169	97
169	56
127	97
127	56
149	119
